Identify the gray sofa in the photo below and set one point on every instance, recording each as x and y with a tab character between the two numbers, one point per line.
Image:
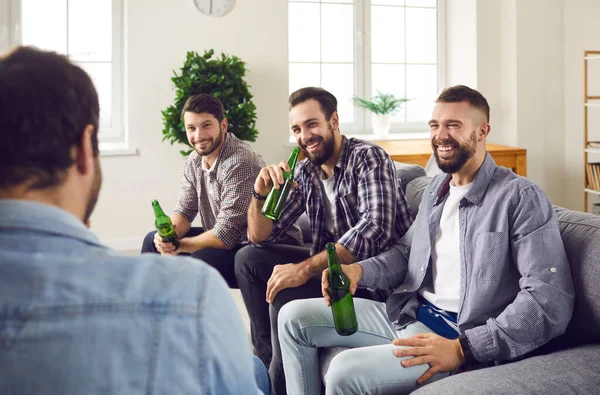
569	364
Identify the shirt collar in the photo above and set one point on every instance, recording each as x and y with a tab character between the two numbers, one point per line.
43	218
480	182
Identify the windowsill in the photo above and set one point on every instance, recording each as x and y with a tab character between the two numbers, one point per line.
377	137
117	149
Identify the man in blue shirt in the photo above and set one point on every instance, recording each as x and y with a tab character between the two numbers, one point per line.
481	277
76	317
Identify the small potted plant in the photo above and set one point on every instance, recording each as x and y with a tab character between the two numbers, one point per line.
383	106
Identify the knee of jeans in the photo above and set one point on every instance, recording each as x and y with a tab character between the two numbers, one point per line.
340	369
148	243
244	259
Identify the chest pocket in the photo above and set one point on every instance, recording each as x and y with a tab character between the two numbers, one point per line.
347	203
492	256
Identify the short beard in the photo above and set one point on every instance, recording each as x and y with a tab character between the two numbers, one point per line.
215	144
463	153
317	158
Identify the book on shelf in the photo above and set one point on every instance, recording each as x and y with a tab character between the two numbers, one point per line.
593	175
593	144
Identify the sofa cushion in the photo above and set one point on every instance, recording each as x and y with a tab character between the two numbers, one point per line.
405	173
572	371
580	233
414	193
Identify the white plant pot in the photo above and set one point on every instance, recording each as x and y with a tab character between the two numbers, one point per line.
381	124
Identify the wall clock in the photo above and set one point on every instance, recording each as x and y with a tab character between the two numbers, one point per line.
214	7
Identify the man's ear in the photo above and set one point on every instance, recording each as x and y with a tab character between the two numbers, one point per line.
224	125
484	130
84	151
335	120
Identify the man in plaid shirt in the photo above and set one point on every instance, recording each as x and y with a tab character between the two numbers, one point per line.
217	183
349	191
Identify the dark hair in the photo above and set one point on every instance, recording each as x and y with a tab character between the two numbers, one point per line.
327	101
204	102
460	93
45	104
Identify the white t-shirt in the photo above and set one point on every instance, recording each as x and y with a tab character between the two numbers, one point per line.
328	185
445	290
209	190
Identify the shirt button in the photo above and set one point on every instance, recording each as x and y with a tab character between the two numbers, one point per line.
405	289
553	270
423	269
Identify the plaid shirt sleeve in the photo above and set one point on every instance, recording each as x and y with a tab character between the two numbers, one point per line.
376	204
187	202
238	180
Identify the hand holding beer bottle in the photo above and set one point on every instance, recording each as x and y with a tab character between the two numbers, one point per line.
337	287
164	226
276	199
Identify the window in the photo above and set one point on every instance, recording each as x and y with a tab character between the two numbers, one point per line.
360	47
89	32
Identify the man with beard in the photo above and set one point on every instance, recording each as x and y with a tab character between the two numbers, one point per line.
480	278
349	191
217	183
77	318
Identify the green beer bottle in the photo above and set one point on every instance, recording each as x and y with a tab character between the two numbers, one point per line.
342	304
164	226
276	198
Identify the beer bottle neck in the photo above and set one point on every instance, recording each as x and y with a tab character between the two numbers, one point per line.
158	212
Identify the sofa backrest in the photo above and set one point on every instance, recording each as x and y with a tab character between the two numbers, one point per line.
581	236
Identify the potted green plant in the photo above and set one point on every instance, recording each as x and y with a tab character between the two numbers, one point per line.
383	106
222	77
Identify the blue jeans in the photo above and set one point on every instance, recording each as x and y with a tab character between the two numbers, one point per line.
262	376
370	366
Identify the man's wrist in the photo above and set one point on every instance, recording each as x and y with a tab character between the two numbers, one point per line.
468	356
258	196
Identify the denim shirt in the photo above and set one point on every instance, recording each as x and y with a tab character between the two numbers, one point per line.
76	318
516	290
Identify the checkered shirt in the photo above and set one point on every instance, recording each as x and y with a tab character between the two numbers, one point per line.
231	180
369	211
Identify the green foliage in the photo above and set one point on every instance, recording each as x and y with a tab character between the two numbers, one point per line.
382	103
222	77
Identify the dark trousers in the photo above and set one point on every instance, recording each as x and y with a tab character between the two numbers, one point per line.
253	268
222	260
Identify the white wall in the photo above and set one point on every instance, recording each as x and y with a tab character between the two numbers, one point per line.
519	68
582	32
158	35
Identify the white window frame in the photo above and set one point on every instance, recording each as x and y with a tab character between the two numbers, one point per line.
362	67
10	36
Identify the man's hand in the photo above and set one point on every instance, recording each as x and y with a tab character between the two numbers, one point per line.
269	176
165	248
354	274
442	355
289	275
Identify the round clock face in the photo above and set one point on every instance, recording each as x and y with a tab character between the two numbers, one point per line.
214	7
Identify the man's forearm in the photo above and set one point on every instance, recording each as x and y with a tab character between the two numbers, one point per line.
207	239
182	225
317	263
259	226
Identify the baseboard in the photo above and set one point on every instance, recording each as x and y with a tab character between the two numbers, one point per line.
121	245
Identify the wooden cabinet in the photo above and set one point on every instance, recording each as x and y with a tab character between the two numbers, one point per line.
419	151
